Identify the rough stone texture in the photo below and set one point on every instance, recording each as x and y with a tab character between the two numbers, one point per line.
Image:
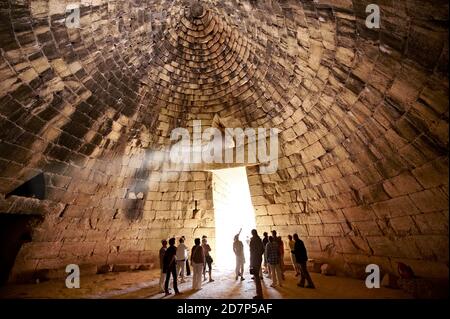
390	281
327	270
363	166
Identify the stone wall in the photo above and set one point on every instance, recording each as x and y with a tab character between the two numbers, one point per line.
363	167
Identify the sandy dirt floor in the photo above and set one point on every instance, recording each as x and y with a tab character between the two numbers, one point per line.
144	285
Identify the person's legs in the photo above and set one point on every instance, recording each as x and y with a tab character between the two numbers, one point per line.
188	268
200	267
241	270
281	264
301	282
204	271
259	293
238	268
166	284
197	277
182	269
306	275
162	277
266	265
180	273
175	279
274	277
277	272
294	264
210	272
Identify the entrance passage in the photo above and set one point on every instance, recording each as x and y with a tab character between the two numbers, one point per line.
233	210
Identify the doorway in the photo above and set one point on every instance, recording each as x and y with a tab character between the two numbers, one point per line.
233	210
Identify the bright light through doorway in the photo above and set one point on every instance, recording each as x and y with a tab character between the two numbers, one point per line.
233	210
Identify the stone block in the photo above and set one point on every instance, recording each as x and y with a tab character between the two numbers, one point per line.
390	281
430	200
314	266
417	287
357	213
404	225
327	270
433	174
432	223
401	185
312	152
121	268
103	269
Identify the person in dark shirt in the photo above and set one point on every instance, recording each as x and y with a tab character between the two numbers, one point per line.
281	248
301	256
291	244
256	252
170	267
265	242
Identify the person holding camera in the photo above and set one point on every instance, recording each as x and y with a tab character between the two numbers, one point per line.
238	249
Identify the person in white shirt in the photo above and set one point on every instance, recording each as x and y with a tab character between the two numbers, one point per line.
238	249
181	259
188	268
162	251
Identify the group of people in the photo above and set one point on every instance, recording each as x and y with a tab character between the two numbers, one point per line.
268	251
173	261
271	249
